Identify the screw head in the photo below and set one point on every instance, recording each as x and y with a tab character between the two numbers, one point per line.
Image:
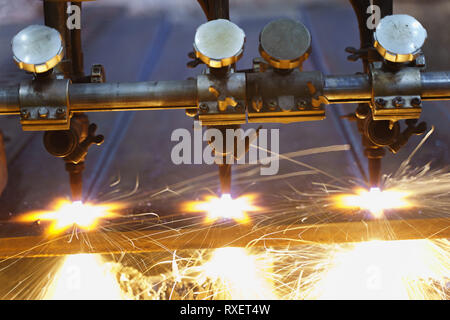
416	102
60	112
380	102
272	105
43	112
301	104
204	107
398	102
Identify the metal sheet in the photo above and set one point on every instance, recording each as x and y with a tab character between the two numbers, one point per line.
230	236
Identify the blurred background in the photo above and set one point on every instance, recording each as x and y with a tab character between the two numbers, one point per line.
434	14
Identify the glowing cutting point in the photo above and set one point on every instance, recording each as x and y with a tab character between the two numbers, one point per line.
66	214
247	278
224	207
406	269
375	200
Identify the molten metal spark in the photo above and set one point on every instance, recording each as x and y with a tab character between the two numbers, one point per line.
375	200
202	274
409	269
84	277
245	278
224	207
65	214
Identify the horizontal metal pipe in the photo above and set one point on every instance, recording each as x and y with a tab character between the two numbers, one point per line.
347	88
9	100
357	88
132	96
225	236
152	95
436	85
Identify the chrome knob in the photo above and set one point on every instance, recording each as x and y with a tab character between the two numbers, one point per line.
219	43
37	48
285	43
399	38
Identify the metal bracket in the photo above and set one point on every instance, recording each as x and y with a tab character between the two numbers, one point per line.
98	74
268	103
221	101
396	94
53	114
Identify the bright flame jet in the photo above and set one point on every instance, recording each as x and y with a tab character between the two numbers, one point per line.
224	207
66	214
375	200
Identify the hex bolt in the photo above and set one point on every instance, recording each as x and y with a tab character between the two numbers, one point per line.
204	107
43	112
380	102
398	102
416	102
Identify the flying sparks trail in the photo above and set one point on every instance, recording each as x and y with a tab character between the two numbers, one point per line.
415	269
204	274
375	200
224	207
65	214
411	269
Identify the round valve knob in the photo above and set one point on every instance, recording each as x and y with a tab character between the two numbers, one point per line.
399	38
219	43
285	43
37	48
